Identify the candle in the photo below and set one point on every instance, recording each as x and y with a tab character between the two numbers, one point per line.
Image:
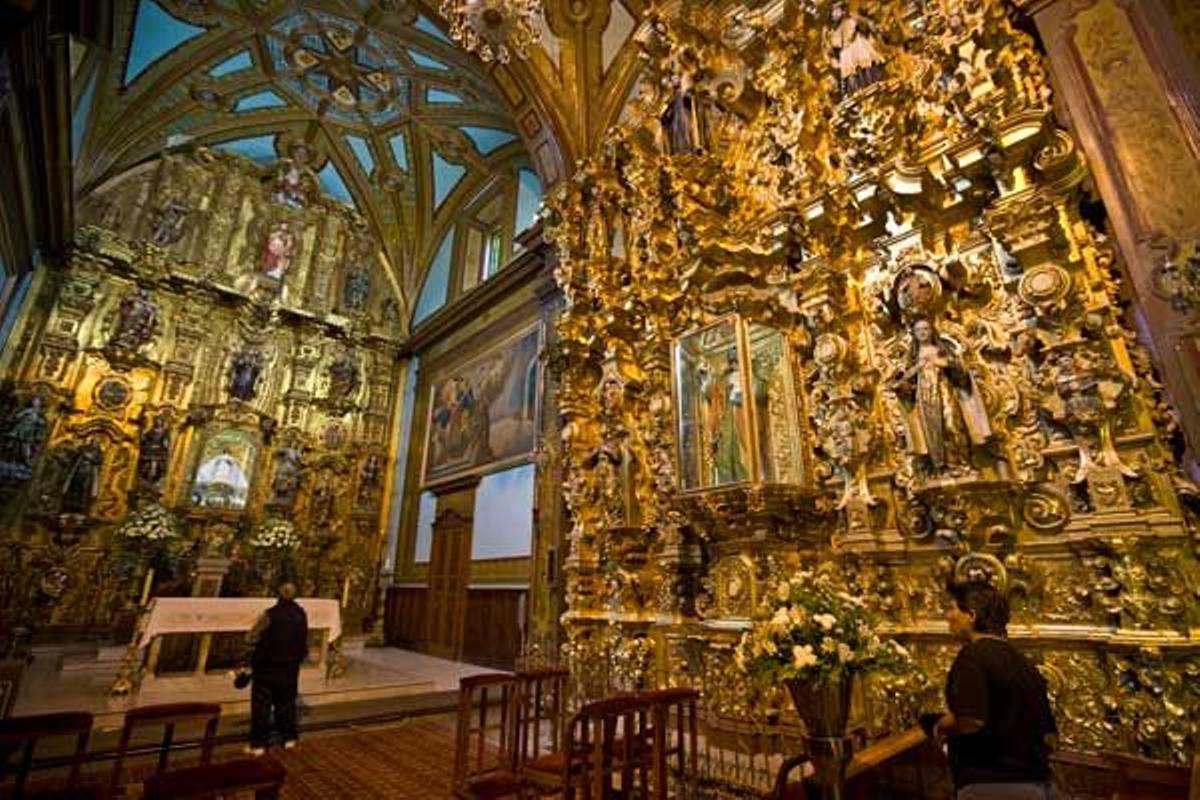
346	592
146	587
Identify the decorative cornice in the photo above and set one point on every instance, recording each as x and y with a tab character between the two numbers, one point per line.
521	272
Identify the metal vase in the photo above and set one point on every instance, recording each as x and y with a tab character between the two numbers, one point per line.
825	709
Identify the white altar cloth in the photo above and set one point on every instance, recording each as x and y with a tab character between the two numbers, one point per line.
228	614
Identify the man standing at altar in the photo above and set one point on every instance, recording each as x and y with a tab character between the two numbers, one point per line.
280	641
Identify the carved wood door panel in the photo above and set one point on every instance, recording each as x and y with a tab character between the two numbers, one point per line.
449	566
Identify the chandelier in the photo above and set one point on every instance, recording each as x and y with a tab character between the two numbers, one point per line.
494	29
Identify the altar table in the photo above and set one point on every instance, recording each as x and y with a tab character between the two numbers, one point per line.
206	616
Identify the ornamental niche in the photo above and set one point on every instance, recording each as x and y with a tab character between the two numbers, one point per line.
842	251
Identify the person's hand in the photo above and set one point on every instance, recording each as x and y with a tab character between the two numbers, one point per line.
941	730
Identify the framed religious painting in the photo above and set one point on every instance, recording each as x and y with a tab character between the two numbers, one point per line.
224	469
736	408
483	413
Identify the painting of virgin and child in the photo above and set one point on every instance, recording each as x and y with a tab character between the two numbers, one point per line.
484	412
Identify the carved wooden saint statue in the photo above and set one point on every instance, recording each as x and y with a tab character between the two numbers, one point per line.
726	426
684	122
22	440
946	415
82	483
154	451
291	186
344	377
286	483
356	290
137	318
244	371
168	227
279	251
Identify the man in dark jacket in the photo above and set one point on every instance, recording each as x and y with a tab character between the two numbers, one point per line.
280	640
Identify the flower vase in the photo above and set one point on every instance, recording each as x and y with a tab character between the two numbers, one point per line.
825	708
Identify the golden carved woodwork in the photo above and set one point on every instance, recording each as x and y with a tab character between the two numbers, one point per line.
191	355
969	401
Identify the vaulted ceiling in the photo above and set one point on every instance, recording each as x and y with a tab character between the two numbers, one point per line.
396	119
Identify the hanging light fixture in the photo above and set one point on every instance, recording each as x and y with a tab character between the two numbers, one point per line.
494	29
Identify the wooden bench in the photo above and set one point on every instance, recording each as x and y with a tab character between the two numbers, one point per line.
264	776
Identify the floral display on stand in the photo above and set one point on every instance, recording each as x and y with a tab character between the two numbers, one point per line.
815	639
275	543
149	544
809	631
275	533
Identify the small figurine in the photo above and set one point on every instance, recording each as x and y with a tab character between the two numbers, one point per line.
278	251
356	290
137	317
344	378
368	481
82	483
245	369
22	440
154	451
286	483
291	188
168	227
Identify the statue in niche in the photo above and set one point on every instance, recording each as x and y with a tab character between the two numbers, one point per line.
168	226
279	250
356	290
82	483
368	481
684	122
725	421
322	502
857	57
285	484
24	435
137	317
946	415
244	372
154	451
291	186
344	378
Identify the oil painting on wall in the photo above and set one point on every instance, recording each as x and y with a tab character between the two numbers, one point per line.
225	469
484	412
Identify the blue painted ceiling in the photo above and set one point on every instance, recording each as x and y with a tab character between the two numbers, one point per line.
399	118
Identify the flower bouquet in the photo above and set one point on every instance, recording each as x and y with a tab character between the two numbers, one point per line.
149	540
274	543
809	630
814	638
275	533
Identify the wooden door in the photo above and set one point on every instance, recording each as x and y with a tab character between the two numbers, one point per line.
449	569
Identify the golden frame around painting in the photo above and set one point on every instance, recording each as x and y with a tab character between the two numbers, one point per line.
449	450
768	415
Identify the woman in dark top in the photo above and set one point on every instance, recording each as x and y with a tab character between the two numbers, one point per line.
999	715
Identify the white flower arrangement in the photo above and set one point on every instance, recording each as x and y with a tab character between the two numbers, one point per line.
150	524
276	533
809	630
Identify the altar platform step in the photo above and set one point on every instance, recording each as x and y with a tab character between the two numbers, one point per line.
378	683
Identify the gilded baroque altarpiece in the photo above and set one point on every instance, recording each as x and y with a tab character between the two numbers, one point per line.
210	378
887	192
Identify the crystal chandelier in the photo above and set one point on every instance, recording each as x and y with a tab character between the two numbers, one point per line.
494	29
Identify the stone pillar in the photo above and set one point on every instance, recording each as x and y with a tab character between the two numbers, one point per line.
1128	77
